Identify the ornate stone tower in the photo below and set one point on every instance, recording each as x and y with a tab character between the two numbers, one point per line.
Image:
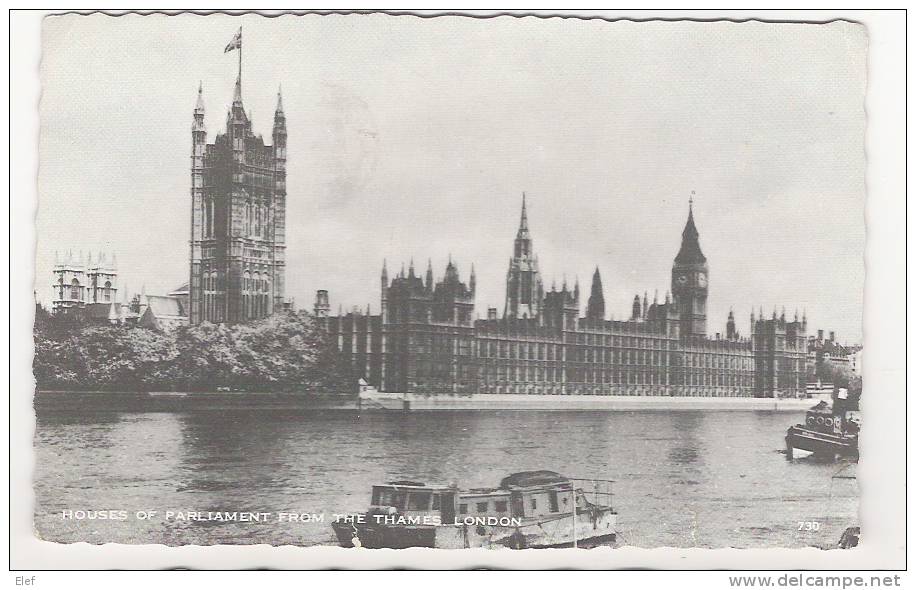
731	332
524	291
238	217
690	281
68	289
595	309
102	276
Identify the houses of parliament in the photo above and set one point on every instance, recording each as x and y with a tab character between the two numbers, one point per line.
428	339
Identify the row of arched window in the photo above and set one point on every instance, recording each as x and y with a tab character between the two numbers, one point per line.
256	282
255	306
213	300
209	214
75	290
257	219
255	295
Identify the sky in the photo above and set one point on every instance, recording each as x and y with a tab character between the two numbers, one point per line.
415	138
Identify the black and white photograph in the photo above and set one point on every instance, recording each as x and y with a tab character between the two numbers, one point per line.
378	280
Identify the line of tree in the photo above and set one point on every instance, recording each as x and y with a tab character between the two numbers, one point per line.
286	352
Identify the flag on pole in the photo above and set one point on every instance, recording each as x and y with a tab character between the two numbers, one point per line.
236	42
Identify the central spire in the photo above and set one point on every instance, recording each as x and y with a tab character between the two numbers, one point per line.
524	292
690	252
523	224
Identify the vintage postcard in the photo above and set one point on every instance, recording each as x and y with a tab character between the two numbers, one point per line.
377	281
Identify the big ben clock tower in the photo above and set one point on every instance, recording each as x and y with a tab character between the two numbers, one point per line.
690	281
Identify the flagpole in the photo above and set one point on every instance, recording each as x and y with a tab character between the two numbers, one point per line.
240	55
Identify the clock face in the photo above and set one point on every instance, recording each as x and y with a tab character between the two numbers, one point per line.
682	279
701	280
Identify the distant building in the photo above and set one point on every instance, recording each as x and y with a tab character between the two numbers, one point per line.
163	313
826	355
104	313
427	339
855	362
183	294
78	282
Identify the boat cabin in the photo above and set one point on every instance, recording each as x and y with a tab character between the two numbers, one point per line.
821	418
541	494
411	498
484	502
535	495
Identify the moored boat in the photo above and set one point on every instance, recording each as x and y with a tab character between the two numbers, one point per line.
827	432
531	509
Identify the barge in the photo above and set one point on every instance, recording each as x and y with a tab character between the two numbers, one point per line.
528	510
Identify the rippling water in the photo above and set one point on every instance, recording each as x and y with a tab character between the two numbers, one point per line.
684	479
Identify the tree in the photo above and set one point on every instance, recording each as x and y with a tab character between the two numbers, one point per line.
285	352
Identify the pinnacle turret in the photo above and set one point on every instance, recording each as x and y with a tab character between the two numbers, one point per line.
279	115
199	107
595	306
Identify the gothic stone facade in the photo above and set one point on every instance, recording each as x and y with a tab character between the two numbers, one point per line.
426	338
238	217
78	282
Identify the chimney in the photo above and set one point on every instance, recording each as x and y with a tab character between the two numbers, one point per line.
820	335
491	313
832	336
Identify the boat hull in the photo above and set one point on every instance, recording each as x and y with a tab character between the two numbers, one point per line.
820	443
594	527
373	536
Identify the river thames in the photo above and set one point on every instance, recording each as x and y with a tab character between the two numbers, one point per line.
683	478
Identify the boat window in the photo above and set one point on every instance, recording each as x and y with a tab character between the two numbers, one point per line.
399	500
482	507
389	497
534	503
436	503
554	503
462	508
500	505
418	501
